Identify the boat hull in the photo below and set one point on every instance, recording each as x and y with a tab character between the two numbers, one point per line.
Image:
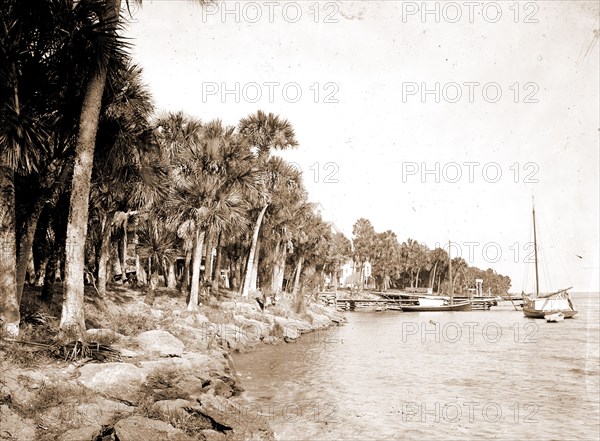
465	306
537	313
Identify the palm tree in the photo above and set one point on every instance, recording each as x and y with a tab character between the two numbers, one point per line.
175	132
24	41
157	246
310	233
264	133
287	199
211	179
126	158
104	17
364	241
439	258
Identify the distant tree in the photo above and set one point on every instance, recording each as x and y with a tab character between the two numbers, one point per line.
364	237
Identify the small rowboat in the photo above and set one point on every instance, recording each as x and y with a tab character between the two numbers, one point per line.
556	317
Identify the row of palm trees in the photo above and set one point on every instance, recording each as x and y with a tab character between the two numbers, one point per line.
88	173
411	263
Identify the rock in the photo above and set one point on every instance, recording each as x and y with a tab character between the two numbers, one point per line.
195	319
232	337
161	342
194	338
201	318
243	307
290	330
81	409
253	329
238	421
89	433
213	435
219	387
21	386
136	428
320	321
169	408
117	380
101	411
157	313
14	426
128	353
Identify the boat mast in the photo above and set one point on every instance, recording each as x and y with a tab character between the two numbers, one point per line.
535	250
450	272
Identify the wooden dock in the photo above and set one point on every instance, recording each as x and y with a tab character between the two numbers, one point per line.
395	301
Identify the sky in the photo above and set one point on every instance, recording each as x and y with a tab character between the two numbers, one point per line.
439	121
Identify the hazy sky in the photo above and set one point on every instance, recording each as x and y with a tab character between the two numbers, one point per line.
437	120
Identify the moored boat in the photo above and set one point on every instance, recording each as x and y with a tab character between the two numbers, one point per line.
429	305
542	305
549	304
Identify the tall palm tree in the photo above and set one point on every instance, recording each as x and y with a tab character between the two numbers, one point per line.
126	158
264	132
175	132
104	21
288	197
25	42
211	179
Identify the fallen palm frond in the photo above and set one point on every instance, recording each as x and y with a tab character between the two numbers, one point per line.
37	318
77	350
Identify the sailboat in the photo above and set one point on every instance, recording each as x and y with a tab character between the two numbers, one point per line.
549	306
440	303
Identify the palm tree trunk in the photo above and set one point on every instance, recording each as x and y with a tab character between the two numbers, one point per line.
171	279
185	274
251	255
296	292
50	275
48	196
124	252
417	278
432	276
297	276
197	258
335	278
217	273
9	303
276	268
72	321
281	265
135	243
25	244
208	256
105	251
254	279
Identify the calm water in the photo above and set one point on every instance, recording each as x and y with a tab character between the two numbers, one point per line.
452	375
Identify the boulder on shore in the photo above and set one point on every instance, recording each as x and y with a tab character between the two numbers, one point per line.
121	381
161	342
136	428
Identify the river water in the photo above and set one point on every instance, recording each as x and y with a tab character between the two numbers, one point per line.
436	375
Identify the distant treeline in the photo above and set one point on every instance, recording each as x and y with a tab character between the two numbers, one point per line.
413	264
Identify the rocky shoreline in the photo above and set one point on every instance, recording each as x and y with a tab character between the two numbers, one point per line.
174	382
